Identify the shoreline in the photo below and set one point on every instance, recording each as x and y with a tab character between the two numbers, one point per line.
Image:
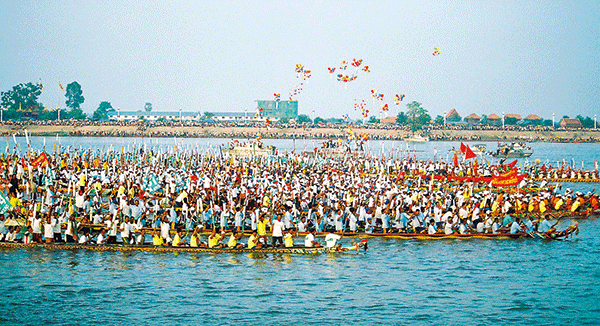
556	136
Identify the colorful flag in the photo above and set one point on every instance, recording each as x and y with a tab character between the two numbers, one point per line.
469	153
4	203
61	87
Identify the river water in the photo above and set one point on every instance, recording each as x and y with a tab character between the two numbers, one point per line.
450	282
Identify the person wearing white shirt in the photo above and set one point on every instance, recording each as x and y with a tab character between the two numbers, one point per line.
331	240
277	231
49	230
431	228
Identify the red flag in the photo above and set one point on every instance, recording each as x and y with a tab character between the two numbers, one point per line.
469	153
463	148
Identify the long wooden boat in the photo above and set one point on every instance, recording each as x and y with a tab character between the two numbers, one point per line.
150	248
567	180
440	236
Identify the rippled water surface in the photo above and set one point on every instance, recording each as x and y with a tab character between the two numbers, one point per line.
449	282
395	281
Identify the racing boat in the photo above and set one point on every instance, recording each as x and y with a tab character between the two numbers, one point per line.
150	248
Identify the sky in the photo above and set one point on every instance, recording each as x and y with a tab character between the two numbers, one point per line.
523	57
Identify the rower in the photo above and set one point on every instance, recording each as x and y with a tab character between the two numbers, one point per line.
253	241
233	240
331	240
288	239
101	237
214	240
178	240
309	240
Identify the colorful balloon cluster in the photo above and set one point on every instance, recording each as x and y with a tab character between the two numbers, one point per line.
366	69
376	95
344	65
303	75
346	78
356	63
277	96
436	52
398	98
331	70
362	106
385	107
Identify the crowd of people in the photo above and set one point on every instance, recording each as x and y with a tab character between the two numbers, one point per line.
237	129
195	198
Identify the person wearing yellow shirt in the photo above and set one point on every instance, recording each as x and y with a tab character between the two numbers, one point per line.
288	239
233	241
195	239
214	240
156	239
253	241
178	240
261	228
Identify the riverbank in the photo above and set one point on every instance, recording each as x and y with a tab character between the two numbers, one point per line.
297	132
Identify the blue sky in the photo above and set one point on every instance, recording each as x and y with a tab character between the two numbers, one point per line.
497	56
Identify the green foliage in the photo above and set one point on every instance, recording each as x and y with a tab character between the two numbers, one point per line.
373	119
547	123
565	117
510	121
586	122
22	101
74	96
303	118
439	120
401	119
74	113
320	120
284	120
417	116
484	120
101	112
454	117
148	107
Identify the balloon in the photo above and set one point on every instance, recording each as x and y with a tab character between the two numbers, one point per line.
331	70
436	52
366	69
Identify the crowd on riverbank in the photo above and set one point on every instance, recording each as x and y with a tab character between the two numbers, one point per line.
125	193
463	132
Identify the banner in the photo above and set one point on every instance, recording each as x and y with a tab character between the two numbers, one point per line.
4	203
508	179
152	185
42	160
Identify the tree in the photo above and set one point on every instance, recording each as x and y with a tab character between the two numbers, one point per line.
373	119
284	120
417	116
303	118
320	120
75	98
588	122
547	123
207	116
74	95
484	120
101	112
148	107
565	117
21	101
401	119
511	121
439	120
